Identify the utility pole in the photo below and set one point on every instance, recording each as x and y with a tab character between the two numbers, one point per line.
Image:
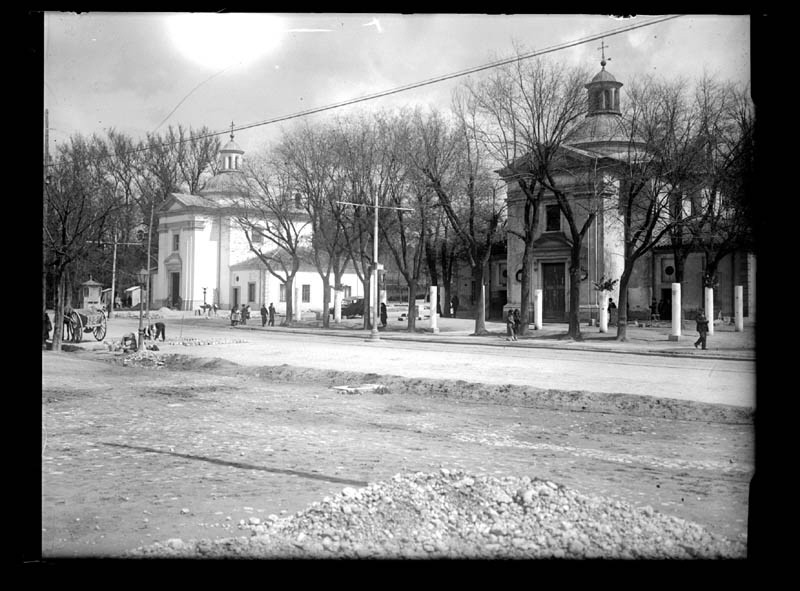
373	282
45	175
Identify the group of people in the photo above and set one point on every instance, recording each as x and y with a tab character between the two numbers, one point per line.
241	314
513	322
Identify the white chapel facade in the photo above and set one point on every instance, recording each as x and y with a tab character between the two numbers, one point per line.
204	256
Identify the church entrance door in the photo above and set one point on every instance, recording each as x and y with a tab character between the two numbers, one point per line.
235	297
175	290
553	305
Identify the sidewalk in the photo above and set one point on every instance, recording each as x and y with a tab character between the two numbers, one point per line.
725	343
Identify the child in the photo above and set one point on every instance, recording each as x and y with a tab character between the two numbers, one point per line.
511	326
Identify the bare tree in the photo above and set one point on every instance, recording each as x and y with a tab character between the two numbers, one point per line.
451	160
312	157
274	226
525	110
79	201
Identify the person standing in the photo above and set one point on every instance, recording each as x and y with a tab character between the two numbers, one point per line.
517	321
510	326
454	303
612	312
46	328
702	330
271	314
245	314
383	315
264	313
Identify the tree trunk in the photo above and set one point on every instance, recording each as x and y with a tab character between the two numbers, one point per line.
287	321
412	306
574	331
480	312
58	316
326	300
525	288
622	306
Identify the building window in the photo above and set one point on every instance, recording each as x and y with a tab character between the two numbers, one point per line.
282	294
256	237
251	292
176	242
552	214
347	291
306	293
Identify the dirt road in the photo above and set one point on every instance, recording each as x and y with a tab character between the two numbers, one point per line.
138	455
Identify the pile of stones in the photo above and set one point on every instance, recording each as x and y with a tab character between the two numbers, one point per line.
454	514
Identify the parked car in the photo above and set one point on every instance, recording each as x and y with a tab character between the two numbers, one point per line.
351	307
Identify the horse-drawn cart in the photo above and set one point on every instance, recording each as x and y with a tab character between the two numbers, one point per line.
79	321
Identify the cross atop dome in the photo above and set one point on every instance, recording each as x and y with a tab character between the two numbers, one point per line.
602	48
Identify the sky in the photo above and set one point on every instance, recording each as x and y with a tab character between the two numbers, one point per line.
141	72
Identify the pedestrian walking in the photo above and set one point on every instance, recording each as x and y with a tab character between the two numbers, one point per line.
517	321
235	316
511	326
245	313
264	313
271	314
702	329
383	315
454	304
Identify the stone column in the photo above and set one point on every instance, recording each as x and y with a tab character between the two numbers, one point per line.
537	309
603	311
709	305
675	333
739	307
434	316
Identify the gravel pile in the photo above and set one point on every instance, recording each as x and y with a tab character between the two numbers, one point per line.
453	514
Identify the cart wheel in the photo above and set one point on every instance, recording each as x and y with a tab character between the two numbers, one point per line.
100	330
77	327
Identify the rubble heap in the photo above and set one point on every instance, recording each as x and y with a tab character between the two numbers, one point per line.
453	514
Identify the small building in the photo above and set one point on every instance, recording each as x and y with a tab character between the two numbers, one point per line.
204	256
91	293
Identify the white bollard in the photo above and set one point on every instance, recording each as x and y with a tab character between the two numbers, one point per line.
537	309
709	303
675	334
604	312
296	303
739	308
434	316
337	306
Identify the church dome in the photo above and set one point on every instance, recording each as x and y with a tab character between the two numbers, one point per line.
232	146
604	76
225	182
602	127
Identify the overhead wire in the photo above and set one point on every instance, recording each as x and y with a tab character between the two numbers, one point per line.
411	86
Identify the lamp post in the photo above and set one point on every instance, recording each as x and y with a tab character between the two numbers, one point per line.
142	277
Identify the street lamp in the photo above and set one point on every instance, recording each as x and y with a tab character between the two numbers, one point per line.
142	277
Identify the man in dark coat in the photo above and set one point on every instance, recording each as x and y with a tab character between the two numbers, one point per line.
454	303
264	313
271	314
702	330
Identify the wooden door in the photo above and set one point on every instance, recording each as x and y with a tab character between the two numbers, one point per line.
553	305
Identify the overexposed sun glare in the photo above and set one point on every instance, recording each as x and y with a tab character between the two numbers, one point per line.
221	40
